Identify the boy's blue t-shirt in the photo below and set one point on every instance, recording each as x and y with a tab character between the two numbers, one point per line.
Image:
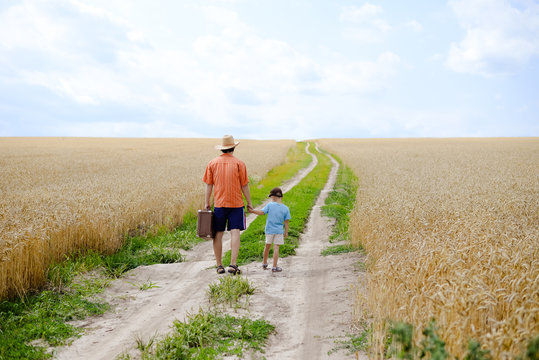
277	214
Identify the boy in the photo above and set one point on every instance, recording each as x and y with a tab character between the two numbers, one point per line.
278	215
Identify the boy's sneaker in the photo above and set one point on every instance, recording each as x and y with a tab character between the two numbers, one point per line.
265	266
276	269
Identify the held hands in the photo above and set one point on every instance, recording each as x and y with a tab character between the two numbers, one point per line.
253	211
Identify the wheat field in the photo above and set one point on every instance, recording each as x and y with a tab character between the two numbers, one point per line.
59	195
451	230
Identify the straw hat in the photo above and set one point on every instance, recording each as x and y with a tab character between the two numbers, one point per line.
228	143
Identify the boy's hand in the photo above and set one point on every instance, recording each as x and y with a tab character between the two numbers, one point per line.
285	235
257	212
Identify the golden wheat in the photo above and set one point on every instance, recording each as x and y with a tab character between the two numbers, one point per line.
451	228
58	195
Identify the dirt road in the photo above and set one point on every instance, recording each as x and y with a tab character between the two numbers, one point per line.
310	302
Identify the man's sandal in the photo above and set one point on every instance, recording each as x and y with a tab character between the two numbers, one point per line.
220	269
234	269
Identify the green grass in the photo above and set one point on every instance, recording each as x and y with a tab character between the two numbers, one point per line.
42	316
341	201
352	343
300	200
296	159
338	249
229	290
207	335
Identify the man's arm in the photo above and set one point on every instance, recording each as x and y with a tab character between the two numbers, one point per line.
247	194
209	189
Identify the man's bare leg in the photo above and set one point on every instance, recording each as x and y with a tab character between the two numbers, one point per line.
218	247
234	246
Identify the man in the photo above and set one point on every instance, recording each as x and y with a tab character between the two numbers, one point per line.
227	177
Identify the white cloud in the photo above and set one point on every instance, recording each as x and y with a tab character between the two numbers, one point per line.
25	26
436	57
363	13
365	22
228	74
361	77
499	38
414	26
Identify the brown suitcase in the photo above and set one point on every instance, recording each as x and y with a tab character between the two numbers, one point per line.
205	224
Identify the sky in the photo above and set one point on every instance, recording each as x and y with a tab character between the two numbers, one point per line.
269	69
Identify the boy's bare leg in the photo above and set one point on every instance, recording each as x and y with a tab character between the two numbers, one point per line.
234	246
275	254
218	247
266	253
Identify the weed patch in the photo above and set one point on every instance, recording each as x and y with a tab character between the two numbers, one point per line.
207	335
353	343
229	290
162	247
42	316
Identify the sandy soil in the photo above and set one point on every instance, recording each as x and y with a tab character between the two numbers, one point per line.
310	302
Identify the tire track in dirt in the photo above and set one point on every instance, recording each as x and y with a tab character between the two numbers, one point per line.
140	314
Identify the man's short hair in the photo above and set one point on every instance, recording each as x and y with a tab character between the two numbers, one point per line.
228	150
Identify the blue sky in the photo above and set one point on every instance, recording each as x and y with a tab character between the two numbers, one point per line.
269	69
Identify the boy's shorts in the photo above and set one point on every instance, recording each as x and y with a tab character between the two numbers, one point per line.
229	218
276	239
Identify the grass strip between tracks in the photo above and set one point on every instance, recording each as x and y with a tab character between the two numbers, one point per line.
297	159
300	200
341	201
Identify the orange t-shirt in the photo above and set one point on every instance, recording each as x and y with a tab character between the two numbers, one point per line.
227	175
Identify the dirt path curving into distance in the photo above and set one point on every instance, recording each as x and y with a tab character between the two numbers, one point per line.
310	302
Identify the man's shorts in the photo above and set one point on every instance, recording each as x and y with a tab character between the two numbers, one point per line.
277	239
229	218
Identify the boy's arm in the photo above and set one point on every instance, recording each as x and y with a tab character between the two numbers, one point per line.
258	212
286	229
